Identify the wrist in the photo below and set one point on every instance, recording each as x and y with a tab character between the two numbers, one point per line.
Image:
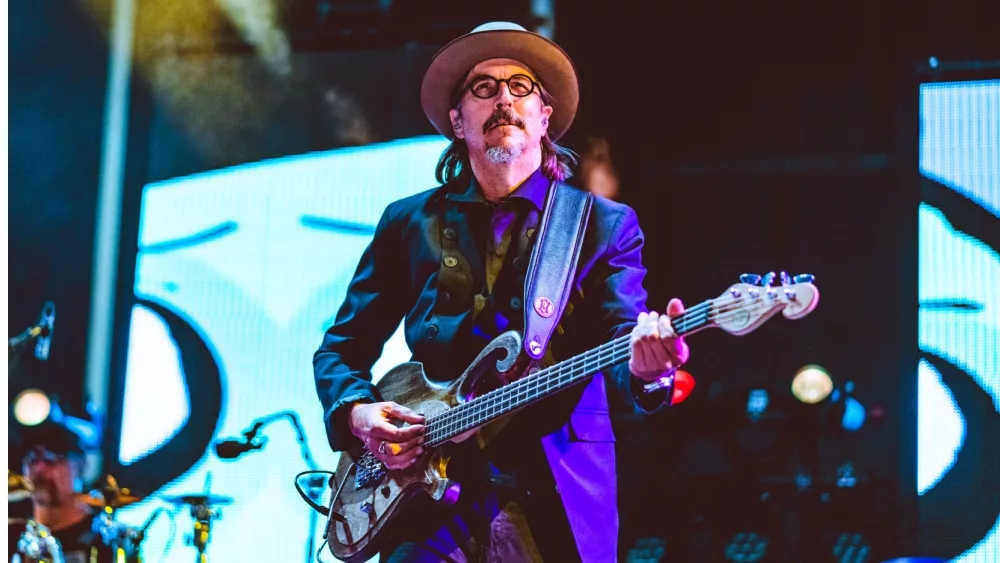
351	409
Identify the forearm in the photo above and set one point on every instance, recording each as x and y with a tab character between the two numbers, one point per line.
369	314
339	388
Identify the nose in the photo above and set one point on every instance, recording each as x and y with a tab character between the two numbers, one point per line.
504	99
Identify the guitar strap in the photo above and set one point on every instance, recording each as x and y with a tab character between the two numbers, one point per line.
553	263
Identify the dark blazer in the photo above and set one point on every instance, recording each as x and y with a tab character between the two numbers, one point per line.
426	236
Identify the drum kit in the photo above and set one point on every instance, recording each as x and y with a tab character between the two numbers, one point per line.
35	543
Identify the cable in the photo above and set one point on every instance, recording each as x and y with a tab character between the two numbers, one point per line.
298	488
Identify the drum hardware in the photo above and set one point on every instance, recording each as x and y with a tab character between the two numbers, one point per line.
123	541
37	545
204	509
18	487
110	495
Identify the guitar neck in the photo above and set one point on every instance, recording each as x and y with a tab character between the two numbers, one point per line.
548	381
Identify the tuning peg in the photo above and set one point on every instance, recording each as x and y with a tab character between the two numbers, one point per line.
768	279
803	278
750	279
785	280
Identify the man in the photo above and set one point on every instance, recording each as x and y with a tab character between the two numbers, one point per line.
453	261
53	462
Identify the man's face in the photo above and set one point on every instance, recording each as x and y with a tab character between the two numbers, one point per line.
51	475
501	125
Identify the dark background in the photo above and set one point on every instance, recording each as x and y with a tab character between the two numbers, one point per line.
748	137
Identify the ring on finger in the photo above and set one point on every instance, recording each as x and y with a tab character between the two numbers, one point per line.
381	448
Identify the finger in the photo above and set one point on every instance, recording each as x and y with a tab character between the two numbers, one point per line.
402	447
641	328
404	413
652	318
404	459
390	433
673	344
659	352
675	307
683	352
642	360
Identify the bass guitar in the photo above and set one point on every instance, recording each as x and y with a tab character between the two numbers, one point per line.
499	382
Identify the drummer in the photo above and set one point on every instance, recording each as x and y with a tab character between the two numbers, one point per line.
53	461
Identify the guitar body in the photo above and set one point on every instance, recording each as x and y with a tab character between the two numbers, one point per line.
370	495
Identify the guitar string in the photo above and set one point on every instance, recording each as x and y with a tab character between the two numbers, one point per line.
451	421
450	424
456	412
538	385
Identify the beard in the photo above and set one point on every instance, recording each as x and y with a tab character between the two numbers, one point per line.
504	155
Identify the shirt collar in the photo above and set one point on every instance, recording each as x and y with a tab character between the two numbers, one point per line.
533	189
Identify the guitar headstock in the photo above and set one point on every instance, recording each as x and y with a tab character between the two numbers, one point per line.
745	306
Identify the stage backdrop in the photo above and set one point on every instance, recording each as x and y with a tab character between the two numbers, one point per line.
239	272
958	471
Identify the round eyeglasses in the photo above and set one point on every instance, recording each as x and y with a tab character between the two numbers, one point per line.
47	456
485	86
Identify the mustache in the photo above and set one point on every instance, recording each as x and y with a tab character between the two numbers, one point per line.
502	116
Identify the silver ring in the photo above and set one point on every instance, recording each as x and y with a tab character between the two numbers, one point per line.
381	448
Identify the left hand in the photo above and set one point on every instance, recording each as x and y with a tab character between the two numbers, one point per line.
654	345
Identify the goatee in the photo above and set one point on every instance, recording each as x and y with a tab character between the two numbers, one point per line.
504	155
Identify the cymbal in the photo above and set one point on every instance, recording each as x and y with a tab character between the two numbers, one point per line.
199	500
18	488
110	495
98	500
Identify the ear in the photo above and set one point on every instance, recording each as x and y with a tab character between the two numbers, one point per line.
456	123
546	115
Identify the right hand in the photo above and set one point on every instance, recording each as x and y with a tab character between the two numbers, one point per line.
371	423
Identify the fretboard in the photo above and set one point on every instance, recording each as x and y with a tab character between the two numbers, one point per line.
545	382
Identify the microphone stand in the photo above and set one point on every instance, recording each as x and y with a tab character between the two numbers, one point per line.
315	484
17	344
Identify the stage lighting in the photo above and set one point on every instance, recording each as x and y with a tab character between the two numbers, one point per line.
812	384
757	402
747	547
32	407
851	547
647	550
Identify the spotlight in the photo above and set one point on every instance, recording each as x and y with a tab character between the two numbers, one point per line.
32	407
812	384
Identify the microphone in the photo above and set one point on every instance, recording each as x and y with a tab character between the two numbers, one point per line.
232	449
47	323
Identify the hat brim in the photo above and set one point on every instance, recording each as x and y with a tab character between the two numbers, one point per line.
552	66
52	436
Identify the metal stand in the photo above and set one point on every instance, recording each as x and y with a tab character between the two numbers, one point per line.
203	511
203	515
123	541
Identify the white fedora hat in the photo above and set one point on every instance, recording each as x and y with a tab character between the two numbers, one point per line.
500	40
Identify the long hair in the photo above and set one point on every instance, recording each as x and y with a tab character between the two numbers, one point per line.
557	161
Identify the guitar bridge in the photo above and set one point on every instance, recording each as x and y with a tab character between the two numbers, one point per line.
369	471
